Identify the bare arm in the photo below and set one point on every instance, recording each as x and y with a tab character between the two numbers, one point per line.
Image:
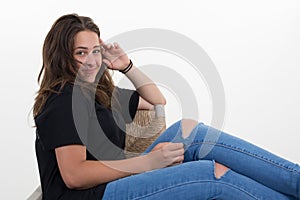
79	173
116	59
145	87
145	105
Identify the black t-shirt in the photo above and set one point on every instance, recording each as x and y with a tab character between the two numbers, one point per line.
73	117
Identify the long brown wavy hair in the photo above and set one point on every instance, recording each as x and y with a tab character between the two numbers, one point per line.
59	66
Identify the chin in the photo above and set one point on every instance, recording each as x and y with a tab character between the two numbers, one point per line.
90	80
89	77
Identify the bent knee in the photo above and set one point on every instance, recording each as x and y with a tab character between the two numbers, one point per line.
220	170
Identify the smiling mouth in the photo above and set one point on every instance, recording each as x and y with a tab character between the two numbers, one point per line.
89	70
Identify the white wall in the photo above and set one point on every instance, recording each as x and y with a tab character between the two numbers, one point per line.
254	44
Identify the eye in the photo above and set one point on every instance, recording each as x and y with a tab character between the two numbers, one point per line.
80	53
97	51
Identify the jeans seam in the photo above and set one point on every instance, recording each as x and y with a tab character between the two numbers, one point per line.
195	182
250	154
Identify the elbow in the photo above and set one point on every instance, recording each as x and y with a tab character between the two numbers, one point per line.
164	101
161	101
71	185
72	182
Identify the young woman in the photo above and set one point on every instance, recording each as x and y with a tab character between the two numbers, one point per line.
80	119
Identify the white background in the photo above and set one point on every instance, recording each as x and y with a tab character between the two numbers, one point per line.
254	44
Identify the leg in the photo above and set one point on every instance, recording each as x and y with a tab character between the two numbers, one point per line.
241	156
191	180
220	170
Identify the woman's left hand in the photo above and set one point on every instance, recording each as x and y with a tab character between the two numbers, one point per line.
161	145
114	56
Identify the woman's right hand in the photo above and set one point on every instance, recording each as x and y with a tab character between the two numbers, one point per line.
166	155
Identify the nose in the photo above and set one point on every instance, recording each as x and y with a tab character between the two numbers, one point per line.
90	60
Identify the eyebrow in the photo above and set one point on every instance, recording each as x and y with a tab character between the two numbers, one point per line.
96	46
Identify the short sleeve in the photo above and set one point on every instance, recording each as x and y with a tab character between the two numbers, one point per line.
128	101
64	120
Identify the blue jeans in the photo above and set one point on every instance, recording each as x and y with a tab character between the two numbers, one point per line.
254	172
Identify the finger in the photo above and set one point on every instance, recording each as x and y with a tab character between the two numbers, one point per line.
176	153
178	160
107	46
178	144
116	45
103	44
110	46
174	164
109	54
181	158
174	146
106	53
159	146
163	143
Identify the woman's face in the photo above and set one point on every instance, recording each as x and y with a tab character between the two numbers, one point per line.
87	51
